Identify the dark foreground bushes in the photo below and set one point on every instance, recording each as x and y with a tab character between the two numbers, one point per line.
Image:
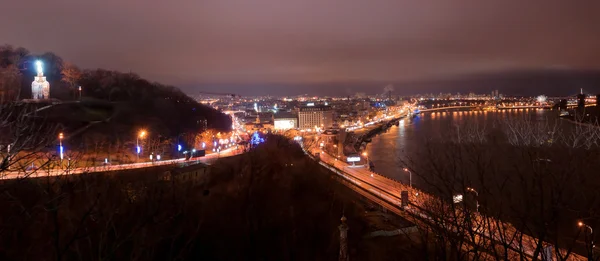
270	204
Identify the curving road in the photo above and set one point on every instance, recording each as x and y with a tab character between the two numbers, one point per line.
209	158
419	203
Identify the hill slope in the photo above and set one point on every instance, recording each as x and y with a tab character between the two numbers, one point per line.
135	102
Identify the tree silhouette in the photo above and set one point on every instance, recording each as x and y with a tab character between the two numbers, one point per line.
71	75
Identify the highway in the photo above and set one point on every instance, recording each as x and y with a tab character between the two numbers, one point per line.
420	207
209	158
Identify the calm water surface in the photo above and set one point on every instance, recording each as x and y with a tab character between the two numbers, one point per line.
388	149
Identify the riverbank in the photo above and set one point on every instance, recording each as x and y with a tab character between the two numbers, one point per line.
589	120
365	136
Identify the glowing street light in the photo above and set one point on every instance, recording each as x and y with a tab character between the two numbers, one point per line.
472	190
79	92
587	227
141	135
60	138
409	176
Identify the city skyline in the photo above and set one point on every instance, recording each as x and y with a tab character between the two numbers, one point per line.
275	130
340	46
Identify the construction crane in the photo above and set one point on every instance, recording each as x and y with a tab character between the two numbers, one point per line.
221	94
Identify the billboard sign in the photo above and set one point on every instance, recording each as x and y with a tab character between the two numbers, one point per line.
457	198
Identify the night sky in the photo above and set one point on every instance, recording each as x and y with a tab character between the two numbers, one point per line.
233	45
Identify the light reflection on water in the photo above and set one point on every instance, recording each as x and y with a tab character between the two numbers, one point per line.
388	149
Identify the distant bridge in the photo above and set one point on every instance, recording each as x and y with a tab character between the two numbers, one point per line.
525	107
449	108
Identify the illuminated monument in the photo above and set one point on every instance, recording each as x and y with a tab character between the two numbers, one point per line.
40	88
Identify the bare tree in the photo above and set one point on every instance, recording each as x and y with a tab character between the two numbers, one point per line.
520	181
71	75
22	137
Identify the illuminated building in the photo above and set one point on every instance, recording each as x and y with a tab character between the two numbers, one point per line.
310	117
285	121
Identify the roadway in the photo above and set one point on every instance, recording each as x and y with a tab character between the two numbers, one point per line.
208	159
419	202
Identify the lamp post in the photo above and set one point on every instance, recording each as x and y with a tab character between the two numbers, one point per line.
60	148
141	135
409	176
472	190
79	92
366	157
591	249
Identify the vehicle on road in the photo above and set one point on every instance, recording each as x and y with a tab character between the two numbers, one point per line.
31	168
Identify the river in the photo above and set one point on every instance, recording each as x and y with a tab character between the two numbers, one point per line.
388	150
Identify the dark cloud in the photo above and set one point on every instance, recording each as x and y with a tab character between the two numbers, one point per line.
308	41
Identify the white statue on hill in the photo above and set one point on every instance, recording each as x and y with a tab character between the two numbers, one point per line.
40	88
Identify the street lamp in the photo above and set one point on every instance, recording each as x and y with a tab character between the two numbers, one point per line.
585	226
141	135
469	189
80	92
60	138
409	176
366	157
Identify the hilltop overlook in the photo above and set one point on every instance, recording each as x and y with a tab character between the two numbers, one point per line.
121	103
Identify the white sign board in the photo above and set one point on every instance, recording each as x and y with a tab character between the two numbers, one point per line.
353	159
457	198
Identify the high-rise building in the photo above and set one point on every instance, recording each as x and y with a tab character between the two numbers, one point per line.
310	117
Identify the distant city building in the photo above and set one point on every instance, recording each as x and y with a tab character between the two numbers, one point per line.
310	117
285	121
495	94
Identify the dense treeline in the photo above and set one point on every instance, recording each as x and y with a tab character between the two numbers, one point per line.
138	101
272	203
